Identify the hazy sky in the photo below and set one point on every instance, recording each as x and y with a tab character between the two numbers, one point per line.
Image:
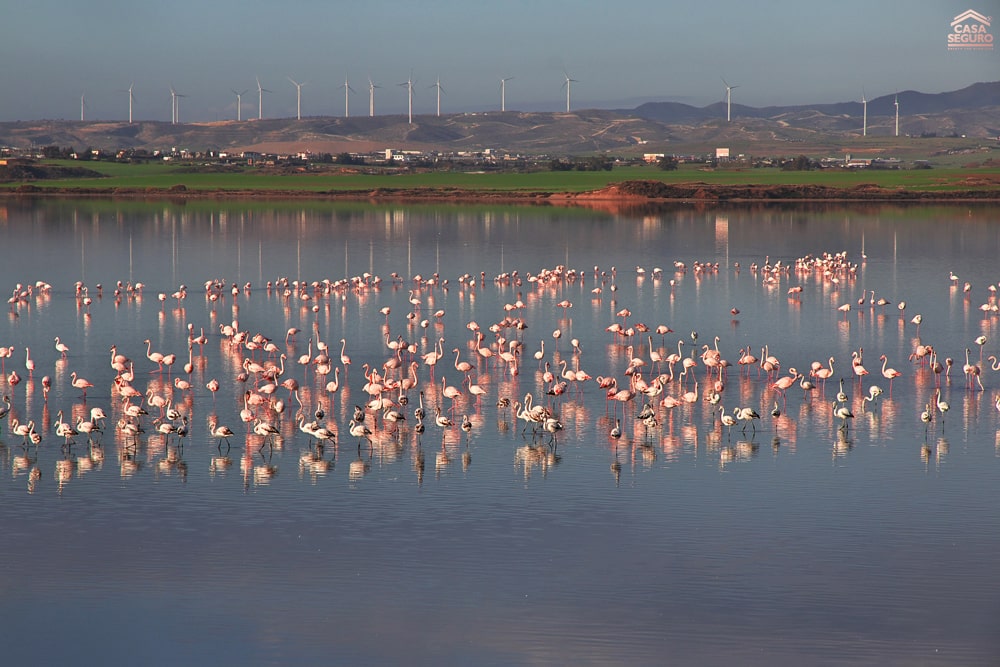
620	54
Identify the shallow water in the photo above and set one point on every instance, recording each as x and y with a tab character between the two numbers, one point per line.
794	541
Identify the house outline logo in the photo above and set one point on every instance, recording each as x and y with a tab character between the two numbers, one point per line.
970	31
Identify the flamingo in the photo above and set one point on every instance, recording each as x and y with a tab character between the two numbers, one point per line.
874	392
747	415
728	420
4	409
333	385
87	427
623	396
691	396
463	366
859	370
221	432
344	359
449	391
540	354
476	390
782	384
155	357
823	373
23	430
842	412
80	383
440	420
971	371
841	396
654	355
889	373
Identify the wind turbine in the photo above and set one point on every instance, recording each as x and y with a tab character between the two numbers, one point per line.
864	107
897	113
347	91
174	106
503	93
298	98
239	104
409	95
729	99
130	100
567	86
371	97
260	99
439	91
83	106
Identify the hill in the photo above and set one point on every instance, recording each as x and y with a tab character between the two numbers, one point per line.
655	127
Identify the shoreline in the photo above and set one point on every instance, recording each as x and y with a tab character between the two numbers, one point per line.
625	193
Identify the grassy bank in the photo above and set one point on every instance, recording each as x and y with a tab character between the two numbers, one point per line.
159	176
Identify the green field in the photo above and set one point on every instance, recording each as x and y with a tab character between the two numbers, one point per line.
161	176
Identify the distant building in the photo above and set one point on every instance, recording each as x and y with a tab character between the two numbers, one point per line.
721	153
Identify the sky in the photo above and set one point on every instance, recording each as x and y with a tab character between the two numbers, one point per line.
619	54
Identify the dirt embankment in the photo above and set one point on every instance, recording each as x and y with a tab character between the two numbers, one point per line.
626	193
650	191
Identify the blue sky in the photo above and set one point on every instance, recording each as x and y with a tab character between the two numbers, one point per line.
620	54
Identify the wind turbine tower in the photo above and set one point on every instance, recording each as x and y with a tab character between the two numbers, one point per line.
503	93
130	99
864	107
567	86
260	99
83	106
347	104
239	104
173	106
371	97
409	96
439	89
298	98
897	113
729	100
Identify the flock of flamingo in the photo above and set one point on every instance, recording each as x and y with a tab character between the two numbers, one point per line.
281	391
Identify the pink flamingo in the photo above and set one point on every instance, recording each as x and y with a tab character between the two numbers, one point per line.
859	370
782	384
333	385
823	372
889	373
344	359
461	366
155	357
80	383
971	371
449	391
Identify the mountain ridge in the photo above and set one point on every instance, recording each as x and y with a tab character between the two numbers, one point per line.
973	111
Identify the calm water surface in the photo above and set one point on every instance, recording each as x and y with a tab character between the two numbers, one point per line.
794	542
